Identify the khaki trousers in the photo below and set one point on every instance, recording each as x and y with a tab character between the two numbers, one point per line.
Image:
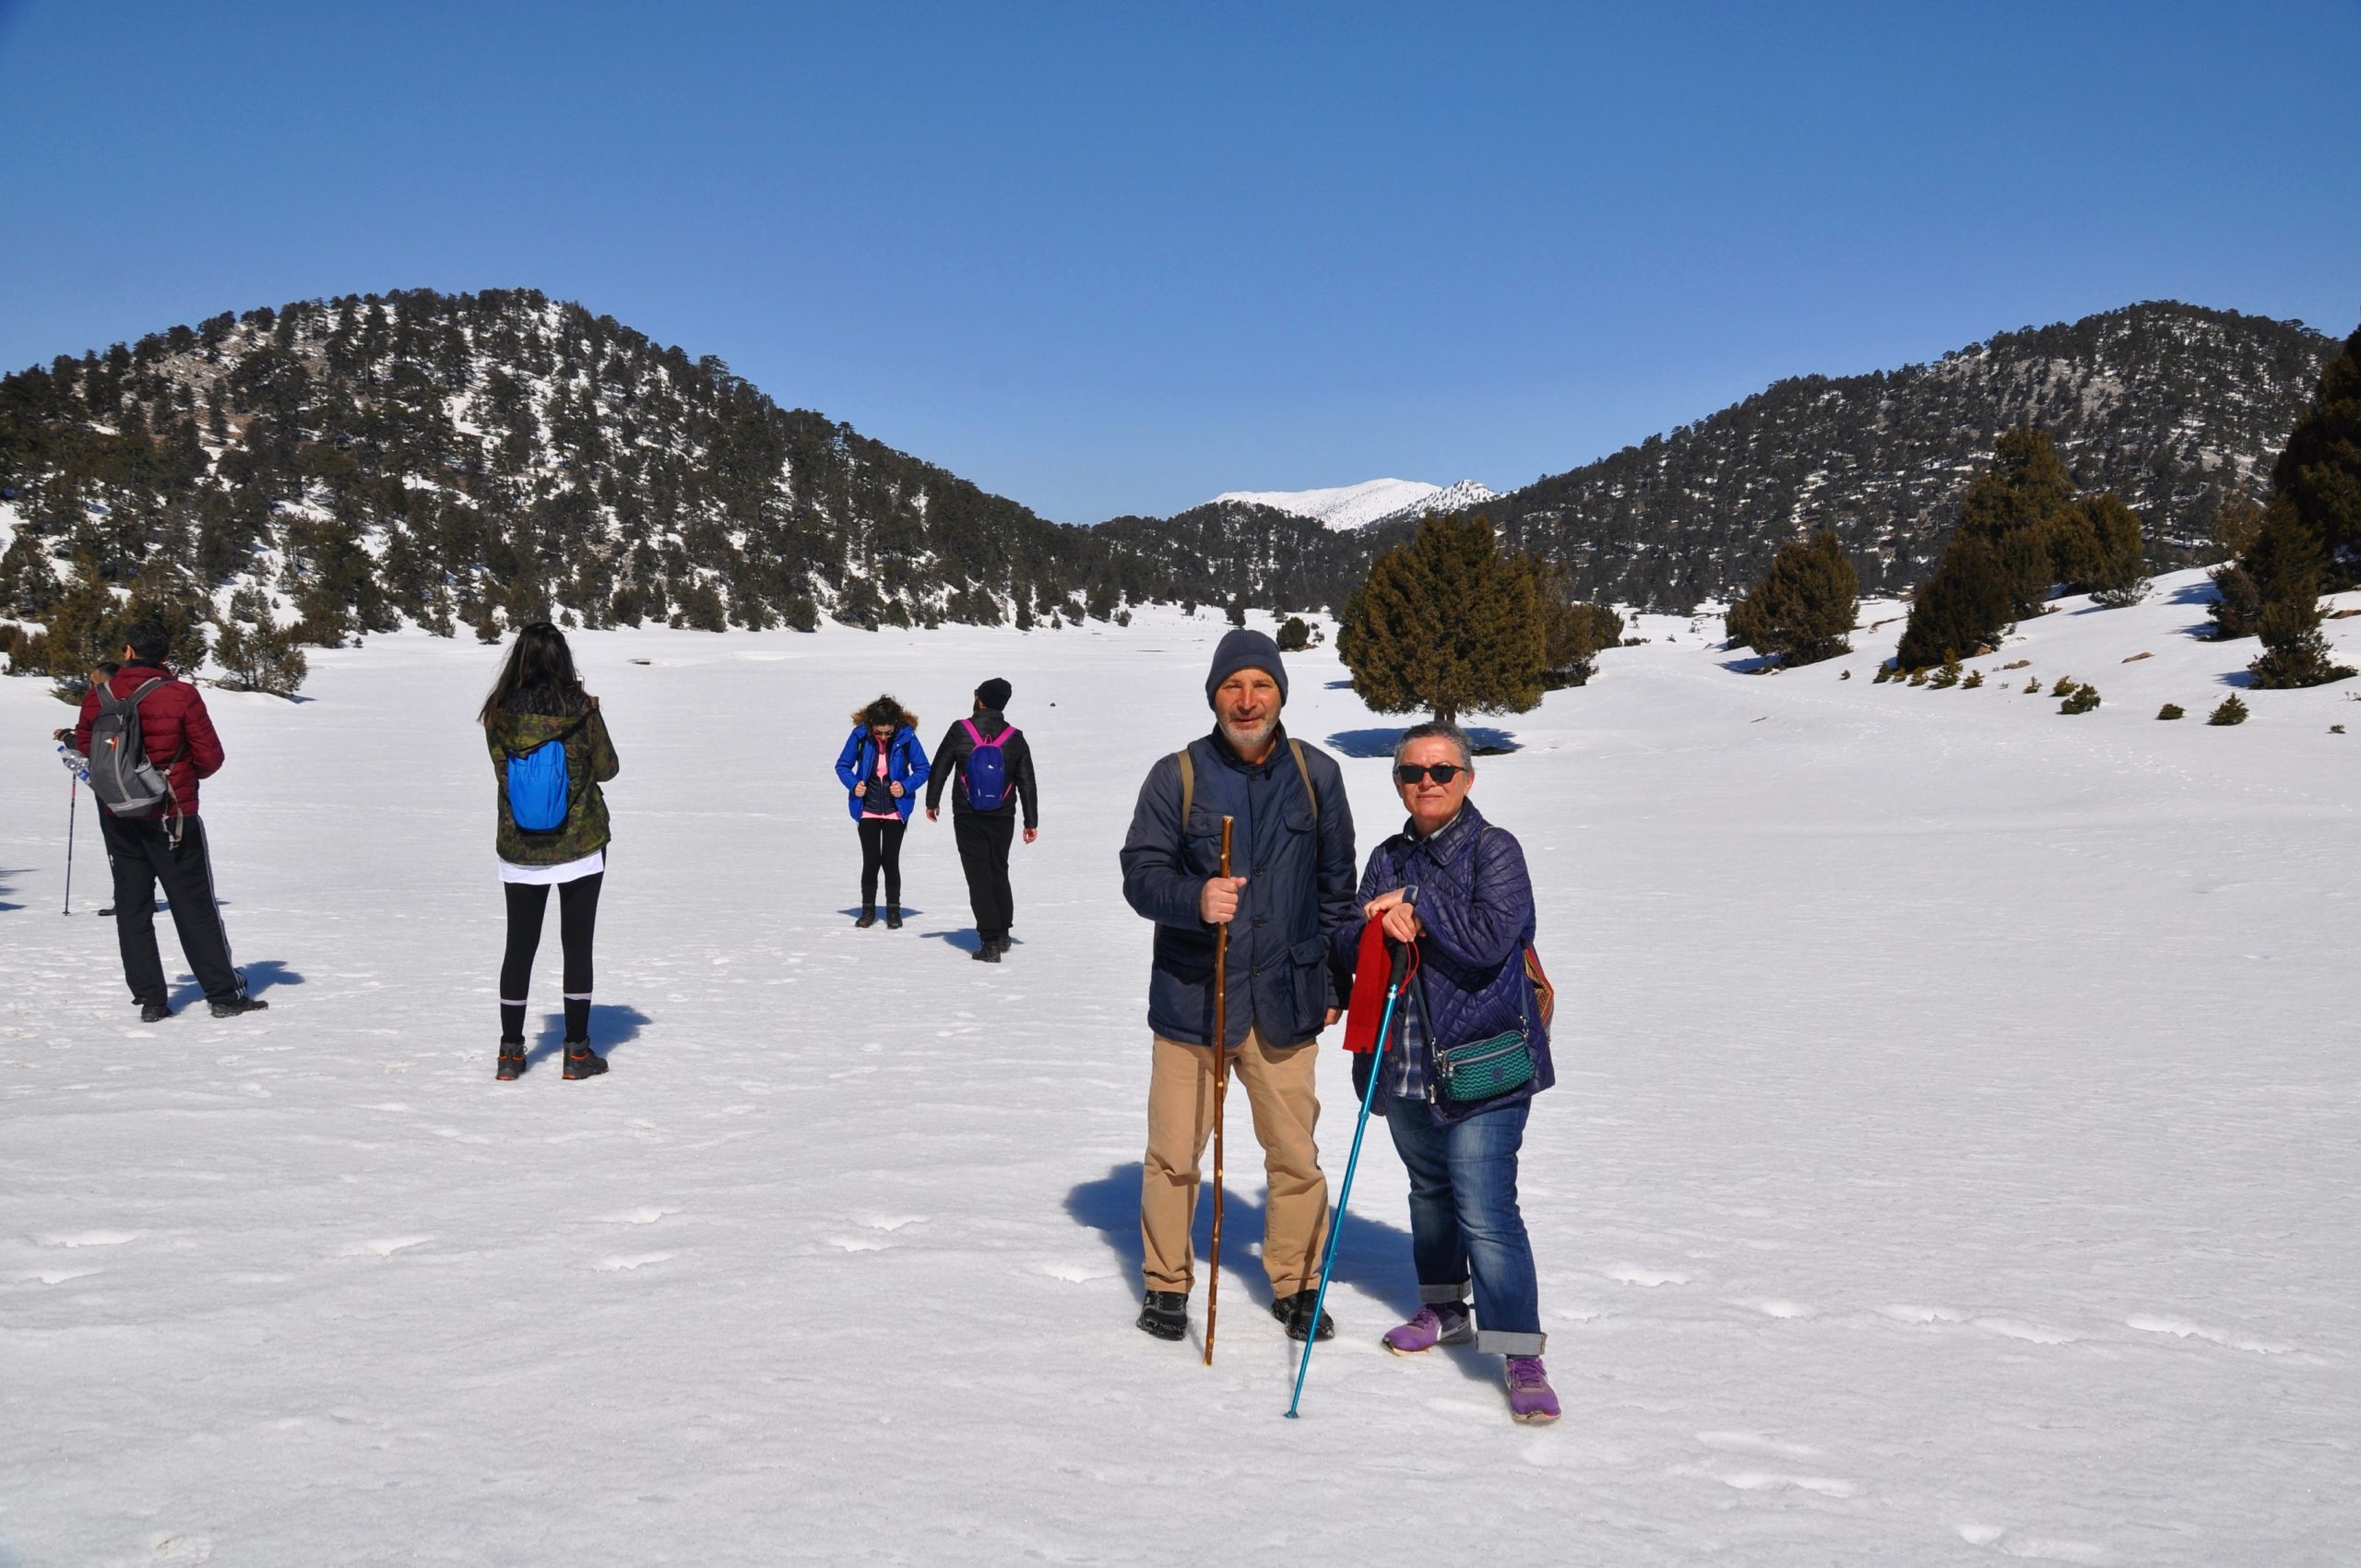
1280	1089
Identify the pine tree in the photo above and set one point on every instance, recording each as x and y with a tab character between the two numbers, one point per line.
1960	609
1803	606
2097	548
2013	506
2317	476
1448	622
1575	635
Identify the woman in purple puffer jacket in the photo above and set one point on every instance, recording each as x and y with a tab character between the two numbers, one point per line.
1468	1054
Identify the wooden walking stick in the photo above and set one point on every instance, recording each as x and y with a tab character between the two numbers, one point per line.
1221	1086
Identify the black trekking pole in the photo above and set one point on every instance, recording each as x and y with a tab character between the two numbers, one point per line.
73	801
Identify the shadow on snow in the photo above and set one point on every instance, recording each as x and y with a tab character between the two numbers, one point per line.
1378	741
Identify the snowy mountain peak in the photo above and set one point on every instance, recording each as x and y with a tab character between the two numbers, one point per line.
1457	497
1358	506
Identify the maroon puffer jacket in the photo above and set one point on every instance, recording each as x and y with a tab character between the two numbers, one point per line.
173	724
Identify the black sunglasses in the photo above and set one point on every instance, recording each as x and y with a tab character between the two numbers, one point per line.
1441	773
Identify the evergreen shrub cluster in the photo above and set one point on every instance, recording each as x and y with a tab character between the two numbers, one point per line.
1801	609
2307	541
2023	532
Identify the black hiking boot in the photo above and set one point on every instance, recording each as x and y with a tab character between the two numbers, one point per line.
868	917
238	1005
893	917
154	1012
512	1061
986	953
1165	1313
1296	1311
581	1062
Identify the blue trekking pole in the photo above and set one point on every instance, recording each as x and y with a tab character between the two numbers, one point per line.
1336	1226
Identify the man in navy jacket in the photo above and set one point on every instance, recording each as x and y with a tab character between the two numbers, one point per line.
1292	853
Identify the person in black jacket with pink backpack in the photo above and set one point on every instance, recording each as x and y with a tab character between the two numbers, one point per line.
994	769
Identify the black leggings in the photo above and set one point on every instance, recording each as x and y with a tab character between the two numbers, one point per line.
881	845
577	916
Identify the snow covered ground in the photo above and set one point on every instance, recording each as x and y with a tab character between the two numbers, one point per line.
1952	1162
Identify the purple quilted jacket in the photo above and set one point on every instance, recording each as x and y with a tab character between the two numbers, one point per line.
1476	901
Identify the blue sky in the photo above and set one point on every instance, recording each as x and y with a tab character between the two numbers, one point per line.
1117	257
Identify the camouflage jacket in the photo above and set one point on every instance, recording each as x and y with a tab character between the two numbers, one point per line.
590	762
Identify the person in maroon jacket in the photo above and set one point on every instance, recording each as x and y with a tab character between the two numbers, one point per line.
166	844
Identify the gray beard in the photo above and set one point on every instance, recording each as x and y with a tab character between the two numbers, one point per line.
1242	742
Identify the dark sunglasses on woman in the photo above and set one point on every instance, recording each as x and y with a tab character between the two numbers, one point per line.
1441	773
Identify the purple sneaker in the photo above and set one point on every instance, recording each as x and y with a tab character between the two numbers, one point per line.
1446	1324
1531	1399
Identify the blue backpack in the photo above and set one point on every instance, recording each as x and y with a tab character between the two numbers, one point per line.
541	791
987	768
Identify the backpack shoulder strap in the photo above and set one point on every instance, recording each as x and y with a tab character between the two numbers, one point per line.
975	736
1304	769
110	703
1187	786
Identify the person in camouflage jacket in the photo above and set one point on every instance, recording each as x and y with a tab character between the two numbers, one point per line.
538	699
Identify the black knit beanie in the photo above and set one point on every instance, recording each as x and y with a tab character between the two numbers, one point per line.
1243	649
994	694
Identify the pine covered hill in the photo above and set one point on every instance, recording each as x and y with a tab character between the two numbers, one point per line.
2164	404
445	458
480	460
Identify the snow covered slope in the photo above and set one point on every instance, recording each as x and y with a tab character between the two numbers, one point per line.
1952	1161
1358	506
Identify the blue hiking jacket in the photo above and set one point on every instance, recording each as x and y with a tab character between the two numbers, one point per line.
904	765
1299	866
1476	901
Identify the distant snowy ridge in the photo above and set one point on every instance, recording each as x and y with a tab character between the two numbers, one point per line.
1459	497
1358	506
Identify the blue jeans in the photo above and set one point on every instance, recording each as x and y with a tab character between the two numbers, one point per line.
1463	1216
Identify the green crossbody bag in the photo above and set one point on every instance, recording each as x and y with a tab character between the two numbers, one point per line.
1487	1068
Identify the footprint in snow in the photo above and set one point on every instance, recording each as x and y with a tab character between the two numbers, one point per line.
60	1276
895	1222
2181	1327
1902	1312
2044	1549
630	1261
1075	1273
858	1243
1763	1480
636	1216
388	1247
90	1239
1785	1308
1632	1274
1755	1442
2017	1328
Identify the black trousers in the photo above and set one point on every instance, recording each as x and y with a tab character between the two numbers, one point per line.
577	920
881	846
142	854
983	840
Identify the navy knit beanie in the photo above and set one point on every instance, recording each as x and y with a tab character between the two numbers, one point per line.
1243	649
994	694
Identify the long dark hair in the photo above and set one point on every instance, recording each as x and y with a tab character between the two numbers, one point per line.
537	677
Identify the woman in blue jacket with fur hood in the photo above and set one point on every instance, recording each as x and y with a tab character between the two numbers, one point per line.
883	768
1470	1051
